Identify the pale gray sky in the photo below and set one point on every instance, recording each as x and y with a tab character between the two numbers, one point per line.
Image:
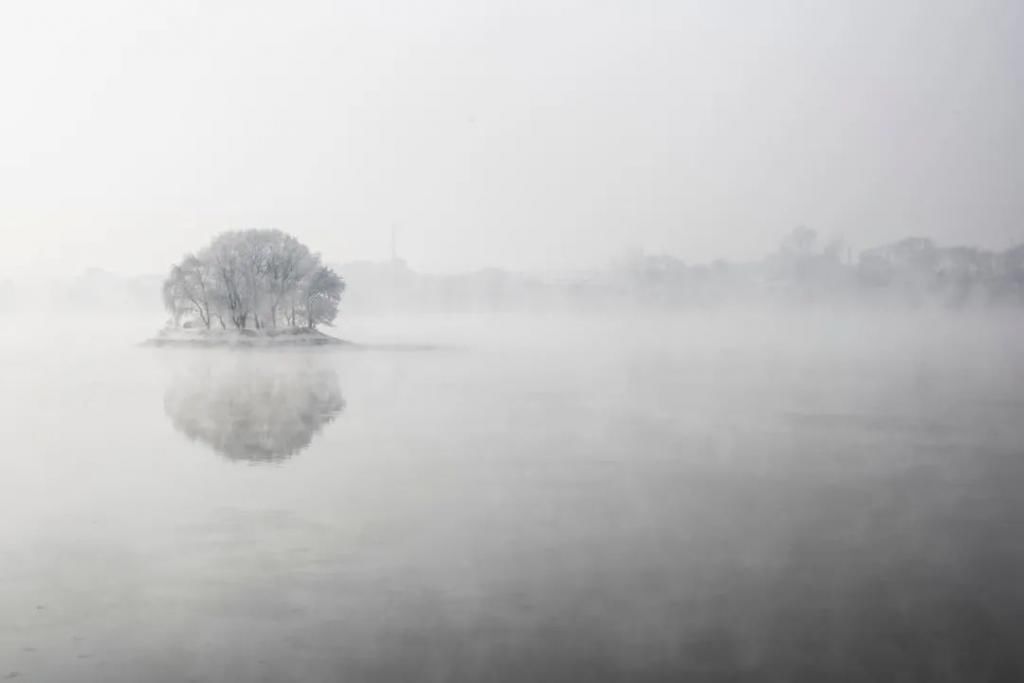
514	133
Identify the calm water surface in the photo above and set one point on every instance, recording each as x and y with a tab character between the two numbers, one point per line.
709	498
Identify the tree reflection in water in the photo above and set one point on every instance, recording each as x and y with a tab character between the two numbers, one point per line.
253	406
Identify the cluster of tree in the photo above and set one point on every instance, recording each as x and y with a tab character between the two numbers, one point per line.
913	270
805	268
917	267
253	279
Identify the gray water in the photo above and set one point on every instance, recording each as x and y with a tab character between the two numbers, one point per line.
713	497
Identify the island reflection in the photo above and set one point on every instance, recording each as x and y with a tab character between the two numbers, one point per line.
251	406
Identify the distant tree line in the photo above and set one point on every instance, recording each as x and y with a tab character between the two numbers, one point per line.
917	267
253	279
912	270
805	268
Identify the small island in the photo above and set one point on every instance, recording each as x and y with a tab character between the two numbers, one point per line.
250	288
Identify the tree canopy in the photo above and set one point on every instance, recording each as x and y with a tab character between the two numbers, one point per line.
253	279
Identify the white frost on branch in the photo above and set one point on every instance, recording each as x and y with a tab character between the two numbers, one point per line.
253	279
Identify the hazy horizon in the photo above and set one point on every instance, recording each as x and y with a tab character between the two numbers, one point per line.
517	135
614	261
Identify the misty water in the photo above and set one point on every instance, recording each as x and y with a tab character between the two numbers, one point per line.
714	496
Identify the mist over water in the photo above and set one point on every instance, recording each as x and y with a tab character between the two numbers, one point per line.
471	342
716	496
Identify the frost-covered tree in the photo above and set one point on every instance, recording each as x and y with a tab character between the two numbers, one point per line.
189	288
322	295
253	279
